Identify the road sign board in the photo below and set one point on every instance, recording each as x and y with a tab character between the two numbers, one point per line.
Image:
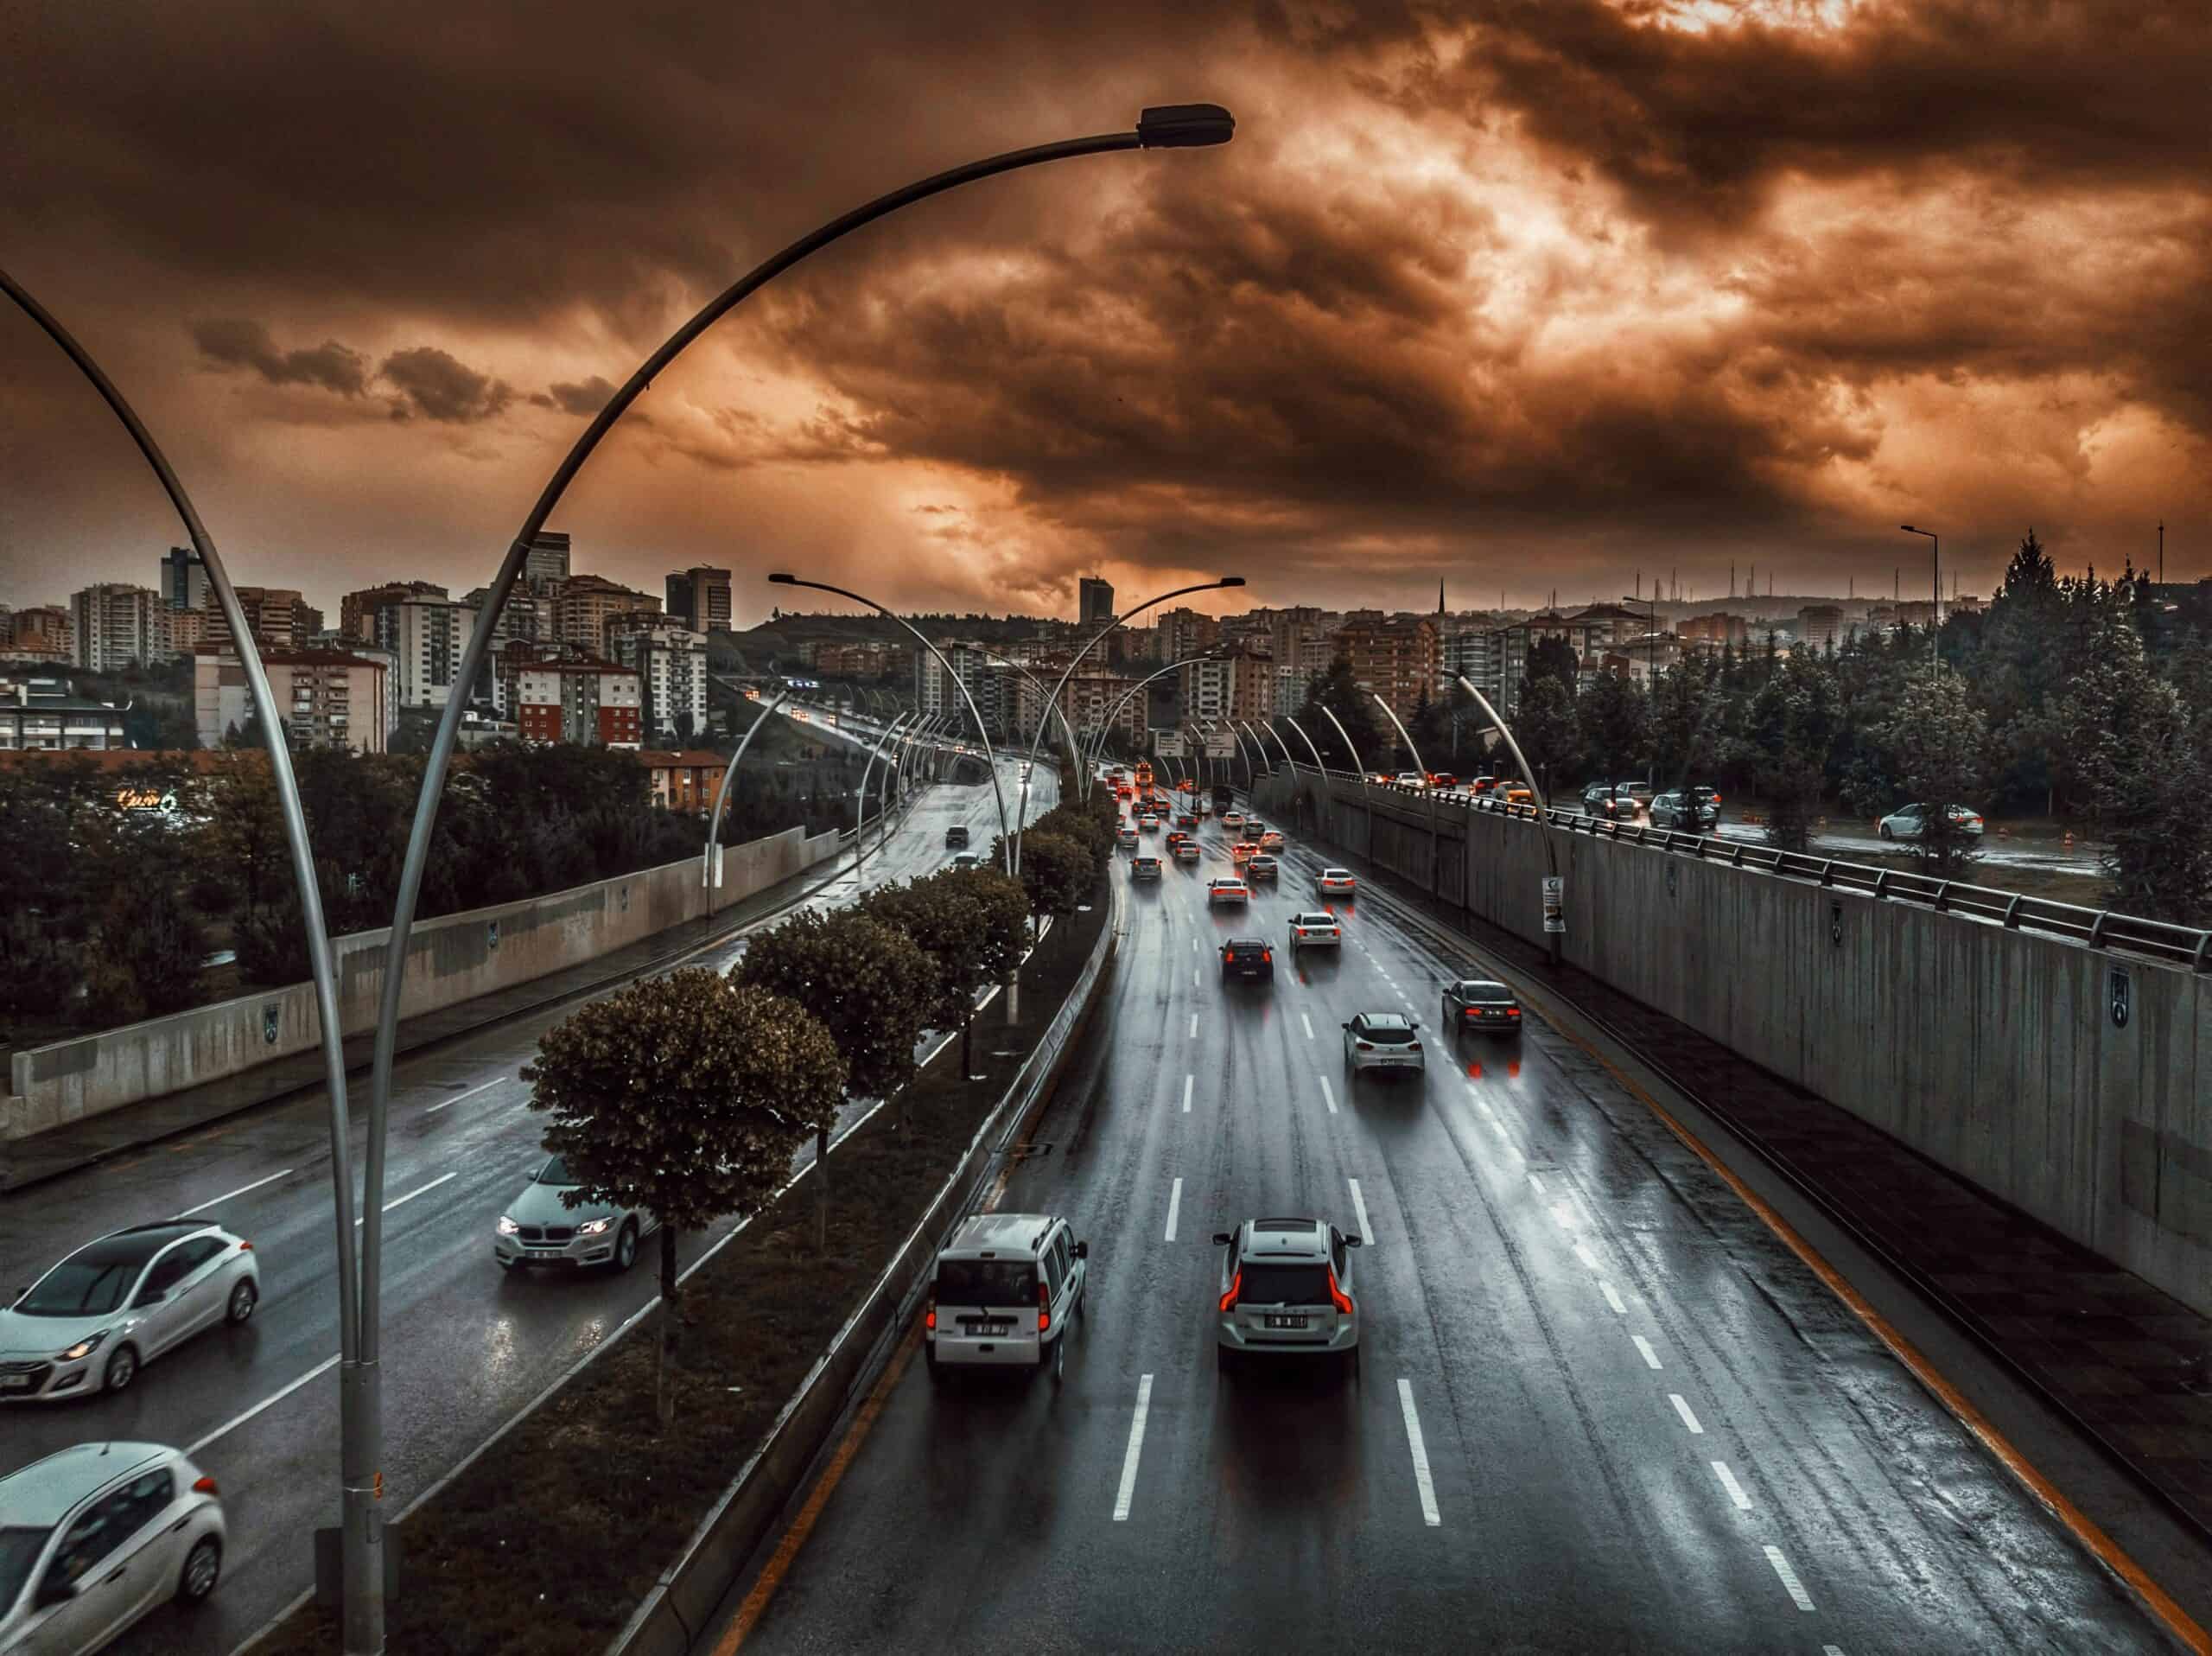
1555	903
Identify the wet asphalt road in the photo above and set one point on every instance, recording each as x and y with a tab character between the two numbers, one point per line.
464	1346
1646	1426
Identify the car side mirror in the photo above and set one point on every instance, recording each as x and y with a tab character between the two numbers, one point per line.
1081	1251
1347	1023
1355	1241
1223	1238
152	1296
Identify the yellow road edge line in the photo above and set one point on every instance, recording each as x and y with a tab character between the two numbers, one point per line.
2084	1528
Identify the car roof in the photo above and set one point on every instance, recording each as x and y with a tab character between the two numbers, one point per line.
1480	985
42	1493
1386	1020
1245	943
1335	870
136	1245
1313	917
989	1235
1288	1239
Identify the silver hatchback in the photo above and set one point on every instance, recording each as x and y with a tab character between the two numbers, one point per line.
1287	1291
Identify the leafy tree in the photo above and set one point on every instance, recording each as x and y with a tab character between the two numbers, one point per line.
1614	725
1791	729
152	946
244	834
1057	873
868	984
1941	742
972	924
1547	732
1554	658
688	1098
1335	689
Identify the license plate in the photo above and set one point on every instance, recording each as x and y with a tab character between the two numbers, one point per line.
15	1382
1273	1322
987	1330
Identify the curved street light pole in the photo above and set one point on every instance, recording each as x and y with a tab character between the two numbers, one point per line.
360	1448
1543	808
1252	730
990	758
1074	751
1323	778
1428	788
1098	748
1172	126
1075	661
883	806
721	797
1365	798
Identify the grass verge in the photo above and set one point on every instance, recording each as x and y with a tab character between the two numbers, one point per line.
549	1541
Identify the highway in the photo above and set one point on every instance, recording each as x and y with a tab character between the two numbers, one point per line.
465	1346
1600	1406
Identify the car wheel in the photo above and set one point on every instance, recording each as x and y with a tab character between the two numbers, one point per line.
1060	1361
243	1297
122	1369
203	1568
626	1246
1882	832
1351	1365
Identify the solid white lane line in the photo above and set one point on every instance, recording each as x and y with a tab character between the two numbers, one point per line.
1186	1094
1175	1206
417	1191
227	1195
1135	1448
1651	1357
1422	1482
1328	1094
237	1421
1589	1259
1194	1026
1789	1578
1359	1207
1728	1482
1308	1023
1682	1408
1831	1650
1536	1184
448	1104
1195	981
1613	1297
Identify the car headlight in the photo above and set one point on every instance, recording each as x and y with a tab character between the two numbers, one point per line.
594	1226
507	1226
84	1348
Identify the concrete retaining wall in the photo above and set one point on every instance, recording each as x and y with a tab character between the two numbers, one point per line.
1994	1052
454	958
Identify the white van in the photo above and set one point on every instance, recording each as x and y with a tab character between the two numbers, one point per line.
1006	1287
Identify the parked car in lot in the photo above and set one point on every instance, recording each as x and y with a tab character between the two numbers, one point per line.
1676	809
95	1537
1389	1041
1314	930
1247	960
1285	1290
1259	866
93	1320
1336	883
1224	891
539	1228
1478	1006
1144	867
1910	822
1005	1289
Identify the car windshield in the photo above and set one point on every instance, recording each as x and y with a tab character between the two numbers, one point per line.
1268	1283
556	1172
986	1282
80	1287
19	1549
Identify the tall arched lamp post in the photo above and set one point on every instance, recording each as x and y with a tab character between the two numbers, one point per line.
1543	816
1098	748
711	856
1168	127
1428	788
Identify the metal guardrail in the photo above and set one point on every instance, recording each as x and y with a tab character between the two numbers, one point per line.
2100	928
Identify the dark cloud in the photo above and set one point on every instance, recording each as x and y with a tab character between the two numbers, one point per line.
236	342
582	400
440	386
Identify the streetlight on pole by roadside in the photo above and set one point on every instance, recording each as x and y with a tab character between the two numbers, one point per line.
1554	894
879	749
1427	786
1098	748
1650	670
711	857
1935	612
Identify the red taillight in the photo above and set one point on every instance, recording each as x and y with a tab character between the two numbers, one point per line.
1513	1011
1267	955
245	1247
1413	1046
204	1485
1044	1308
1716	799
1337	1293
1228	1300
1229	956
929	1317
1362	1046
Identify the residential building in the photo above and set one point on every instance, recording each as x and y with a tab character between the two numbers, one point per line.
546	563
181	631
388	711
357	611
592	704
994	689
687	780
278	617
428	636
1095	602
1915	612
1607	627
698	598
1240	685
43	633
184	579
1179	632
671	663
329	698
870	658
115	626
1820	625
584	605
46	715
1717	631
1504	657
1395	660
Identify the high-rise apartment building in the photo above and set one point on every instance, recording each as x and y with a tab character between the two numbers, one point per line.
328	698
1397	660
428	636
357	611
671	663
184	579
181	631
1095	602
584	605
43	633
1236	686
1184	632
593	704
698	598
115	626
278	617
994	688
547	561
1819	625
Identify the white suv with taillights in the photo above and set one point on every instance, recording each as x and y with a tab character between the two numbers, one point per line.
1005	1289
1285	1290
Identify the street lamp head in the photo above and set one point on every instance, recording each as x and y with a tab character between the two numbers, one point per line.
781	580
1184	126
1230	581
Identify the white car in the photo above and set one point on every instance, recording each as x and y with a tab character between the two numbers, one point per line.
1314	930
539	1229
1336	882
1285	1291
1005	1289
1383	1041
1271	840
1233	819
1225	890
93	1537
1410	778
1148	823
1911	822
114	1305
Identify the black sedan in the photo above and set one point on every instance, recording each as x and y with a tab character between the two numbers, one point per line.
1248	958
1481	1007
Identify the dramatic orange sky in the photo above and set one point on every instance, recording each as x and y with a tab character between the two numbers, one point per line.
1530	294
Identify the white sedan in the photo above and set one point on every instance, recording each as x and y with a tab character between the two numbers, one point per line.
1911	822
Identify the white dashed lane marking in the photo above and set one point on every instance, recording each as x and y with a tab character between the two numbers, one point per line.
1651	1357
1728	1482
1682	1408
1186	1094
1423	1483
1328	1095
1175	1206
1136	1448
1789	1579
1613	1297
1359	1209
